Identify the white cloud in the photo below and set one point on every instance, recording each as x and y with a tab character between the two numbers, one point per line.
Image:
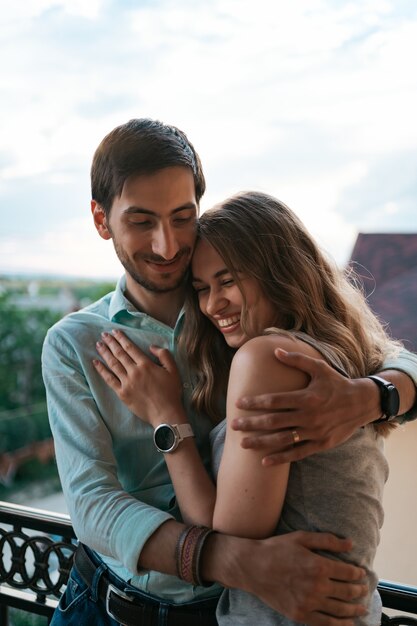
74	250
391	208
35	8
291	97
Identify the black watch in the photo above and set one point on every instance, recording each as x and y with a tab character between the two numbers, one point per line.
167	437
390	399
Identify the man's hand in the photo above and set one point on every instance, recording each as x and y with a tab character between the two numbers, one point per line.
322	415
287	574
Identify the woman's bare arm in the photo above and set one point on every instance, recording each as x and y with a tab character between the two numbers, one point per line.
153	393
249	495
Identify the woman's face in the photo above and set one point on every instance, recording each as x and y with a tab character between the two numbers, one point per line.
221	300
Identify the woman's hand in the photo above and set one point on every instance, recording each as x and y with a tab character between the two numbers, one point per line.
150	390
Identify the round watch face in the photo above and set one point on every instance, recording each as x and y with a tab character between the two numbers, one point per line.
164	438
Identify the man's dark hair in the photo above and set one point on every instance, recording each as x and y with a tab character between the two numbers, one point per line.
141	146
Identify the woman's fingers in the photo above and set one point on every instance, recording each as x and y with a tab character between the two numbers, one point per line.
165	358
112	381
127	348
114	352
113	362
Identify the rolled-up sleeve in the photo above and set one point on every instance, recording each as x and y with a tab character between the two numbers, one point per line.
405	362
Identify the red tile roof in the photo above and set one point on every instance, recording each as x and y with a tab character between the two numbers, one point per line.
387	264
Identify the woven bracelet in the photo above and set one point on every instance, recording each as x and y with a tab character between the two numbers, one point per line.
178	550
188	553
197	558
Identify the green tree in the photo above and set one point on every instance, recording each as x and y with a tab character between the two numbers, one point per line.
21	337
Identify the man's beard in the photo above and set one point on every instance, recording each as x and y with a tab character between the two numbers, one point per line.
144	282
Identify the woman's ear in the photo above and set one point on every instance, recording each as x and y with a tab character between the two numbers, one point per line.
100	220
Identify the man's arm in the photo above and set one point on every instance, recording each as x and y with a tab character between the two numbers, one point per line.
405	363
324	414
104	515
284	571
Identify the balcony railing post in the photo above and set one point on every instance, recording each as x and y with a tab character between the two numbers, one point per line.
4	615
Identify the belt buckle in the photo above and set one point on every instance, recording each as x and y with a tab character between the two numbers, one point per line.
117	592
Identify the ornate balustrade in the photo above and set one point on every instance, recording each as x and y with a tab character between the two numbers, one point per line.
36	552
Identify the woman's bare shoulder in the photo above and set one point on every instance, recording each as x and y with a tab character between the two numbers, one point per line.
266	344
255	364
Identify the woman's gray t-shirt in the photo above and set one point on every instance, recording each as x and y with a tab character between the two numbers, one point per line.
338	491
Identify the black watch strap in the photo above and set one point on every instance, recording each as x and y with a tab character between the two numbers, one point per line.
390	399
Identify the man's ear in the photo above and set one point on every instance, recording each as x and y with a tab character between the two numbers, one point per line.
100	220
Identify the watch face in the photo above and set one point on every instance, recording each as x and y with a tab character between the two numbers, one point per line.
164	438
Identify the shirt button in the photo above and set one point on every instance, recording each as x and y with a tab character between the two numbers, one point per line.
186	385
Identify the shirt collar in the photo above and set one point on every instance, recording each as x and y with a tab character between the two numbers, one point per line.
119	303
120	308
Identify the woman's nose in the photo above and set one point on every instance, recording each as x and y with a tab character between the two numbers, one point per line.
216	303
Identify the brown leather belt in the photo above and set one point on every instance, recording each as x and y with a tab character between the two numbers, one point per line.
131	610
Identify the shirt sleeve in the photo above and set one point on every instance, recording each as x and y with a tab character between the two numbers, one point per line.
405	362
105	517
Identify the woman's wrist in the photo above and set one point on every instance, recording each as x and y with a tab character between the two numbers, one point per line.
172	415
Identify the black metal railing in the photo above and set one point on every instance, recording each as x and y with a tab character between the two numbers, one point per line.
36	552
398	598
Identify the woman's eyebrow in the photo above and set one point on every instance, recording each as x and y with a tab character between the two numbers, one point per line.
222	272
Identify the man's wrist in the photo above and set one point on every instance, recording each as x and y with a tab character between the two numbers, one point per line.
370	402
223	559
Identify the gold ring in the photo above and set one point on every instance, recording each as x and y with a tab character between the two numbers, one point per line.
295	436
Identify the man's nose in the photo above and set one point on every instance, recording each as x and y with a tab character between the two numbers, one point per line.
164	243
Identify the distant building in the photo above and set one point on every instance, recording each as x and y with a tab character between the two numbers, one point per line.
387	264
64	301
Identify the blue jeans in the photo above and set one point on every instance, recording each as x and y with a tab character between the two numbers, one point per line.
79	605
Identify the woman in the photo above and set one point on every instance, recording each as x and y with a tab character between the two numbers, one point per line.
261	282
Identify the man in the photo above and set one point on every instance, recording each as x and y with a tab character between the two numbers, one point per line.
147	182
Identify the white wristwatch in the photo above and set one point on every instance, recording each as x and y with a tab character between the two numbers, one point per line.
167	437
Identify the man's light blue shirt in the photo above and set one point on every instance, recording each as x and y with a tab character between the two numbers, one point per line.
116	483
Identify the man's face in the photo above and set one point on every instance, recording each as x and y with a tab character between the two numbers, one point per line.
153	227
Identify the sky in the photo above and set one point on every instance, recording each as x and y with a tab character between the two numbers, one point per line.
312	101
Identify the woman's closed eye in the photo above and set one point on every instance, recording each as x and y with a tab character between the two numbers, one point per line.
198	288
202	288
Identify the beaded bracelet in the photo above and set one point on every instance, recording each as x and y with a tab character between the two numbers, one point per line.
188	553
